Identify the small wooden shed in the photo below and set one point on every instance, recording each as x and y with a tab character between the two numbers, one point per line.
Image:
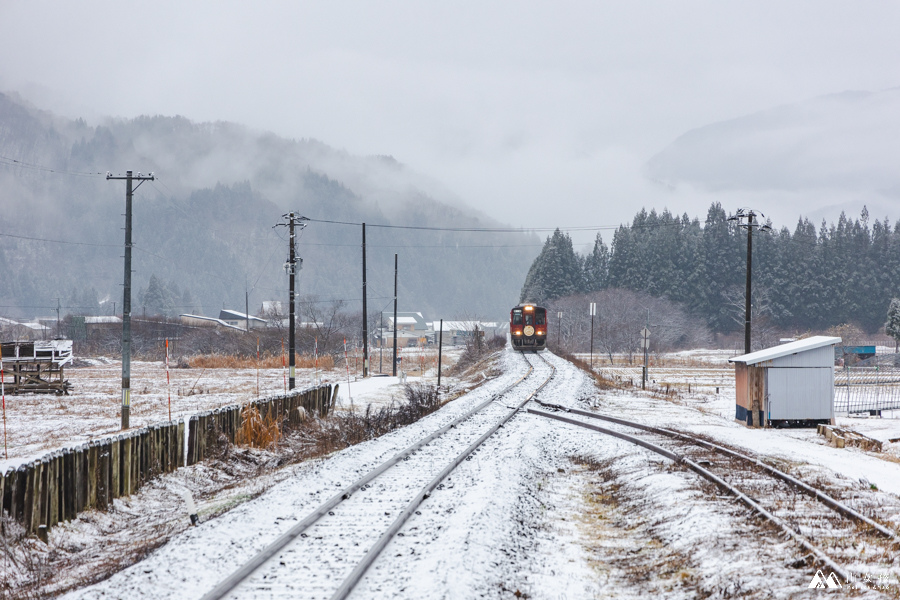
790	384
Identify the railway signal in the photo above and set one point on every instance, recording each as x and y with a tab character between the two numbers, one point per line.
645	346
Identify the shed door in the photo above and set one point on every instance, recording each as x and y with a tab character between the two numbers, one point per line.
800	393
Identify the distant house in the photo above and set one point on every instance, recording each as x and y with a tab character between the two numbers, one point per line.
455	333
201	321
15	330
241	320
82	327
412	330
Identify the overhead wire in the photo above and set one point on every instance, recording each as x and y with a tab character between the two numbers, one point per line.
13	162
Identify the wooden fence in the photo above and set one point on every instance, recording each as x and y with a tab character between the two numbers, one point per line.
57	487
208	429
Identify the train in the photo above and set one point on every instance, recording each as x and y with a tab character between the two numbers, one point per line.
528	327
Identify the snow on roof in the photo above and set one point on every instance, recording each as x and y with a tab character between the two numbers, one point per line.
233	315
455	325
211	320
34	325
99	320
810	343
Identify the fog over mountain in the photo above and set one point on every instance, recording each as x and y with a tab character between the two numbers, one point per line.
817	158
206	225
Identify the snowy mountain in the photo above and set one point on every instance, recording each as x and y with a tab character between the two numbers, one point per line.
821	156
206	224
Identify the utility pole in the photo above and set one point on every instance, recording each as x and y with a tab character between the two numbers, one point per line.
365	314
247	306
292	265
126	301
57	318
394	369
750	225
558	327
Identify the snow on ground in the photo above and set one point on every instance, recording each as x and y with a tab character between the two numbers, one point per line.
39	423
543	509
194	561
702	410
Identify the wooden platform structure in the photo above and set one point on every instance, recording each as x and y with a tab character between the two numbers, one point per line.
36	367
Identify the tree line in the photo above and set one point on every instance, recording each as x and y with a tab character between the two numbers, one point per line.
806	279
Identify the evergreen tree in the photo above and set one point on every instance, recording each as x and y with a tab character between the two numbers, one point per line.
556	271
892	327
158	299
596	266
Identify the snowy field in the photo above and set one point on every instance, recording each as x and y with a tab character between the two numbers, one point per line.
544	510
39	423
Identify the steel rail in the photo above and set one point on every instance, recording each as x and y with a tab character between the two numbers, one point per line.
801	540
360	570
822	497
228	585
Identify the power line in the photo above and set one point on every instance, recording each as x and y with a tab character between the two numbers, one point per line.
37	239
12	162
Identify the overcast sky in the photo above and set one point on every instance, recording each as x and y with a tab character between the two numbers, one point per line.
551	106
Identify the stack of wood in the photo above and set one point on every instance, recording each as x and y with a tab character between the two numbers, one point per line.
841	438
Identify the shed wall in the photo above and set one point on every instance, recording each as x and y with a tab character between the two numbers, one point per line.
800	394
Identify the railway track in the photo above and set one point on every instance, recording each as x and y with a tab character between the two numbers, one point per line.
836	536
327	553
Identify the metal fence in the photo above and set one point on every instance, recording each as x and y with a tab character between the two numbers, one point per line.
869	385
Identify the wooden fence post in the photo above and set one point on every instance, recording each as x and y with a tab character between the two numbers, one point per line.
69	511
52	492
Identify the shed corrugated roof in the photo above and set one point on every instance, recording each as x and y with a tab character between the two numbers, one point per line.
810	343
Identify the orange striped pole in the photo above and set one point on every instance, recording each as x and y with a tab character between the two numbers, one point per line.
168	381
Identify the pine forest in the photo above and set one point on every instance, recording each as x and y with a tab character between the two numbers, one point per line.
811	278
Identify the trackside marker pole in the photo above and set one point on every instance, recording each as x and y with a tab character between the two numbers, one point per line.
283	372
168	381
316	359
257	366
440	348
3	393
347	364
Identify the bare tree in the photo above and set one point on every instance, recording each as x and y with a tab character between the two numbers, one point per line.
326	324
621	314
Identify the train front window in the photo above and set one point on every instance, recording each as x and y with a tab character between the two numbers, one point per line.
539	318
517	317
528	320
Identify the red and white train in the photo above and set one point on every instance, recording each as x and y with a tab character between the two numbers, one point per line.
528	327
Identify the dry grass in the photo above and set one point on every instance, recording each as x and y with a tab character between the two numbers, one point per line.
257	431
269	361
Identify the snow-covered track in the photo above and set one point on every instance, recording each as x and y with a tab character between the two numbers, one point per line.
708	475
819	495
347	521
751	481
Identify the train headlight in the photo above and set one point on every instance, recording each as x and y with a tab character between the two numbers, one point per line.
540	333
518	333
